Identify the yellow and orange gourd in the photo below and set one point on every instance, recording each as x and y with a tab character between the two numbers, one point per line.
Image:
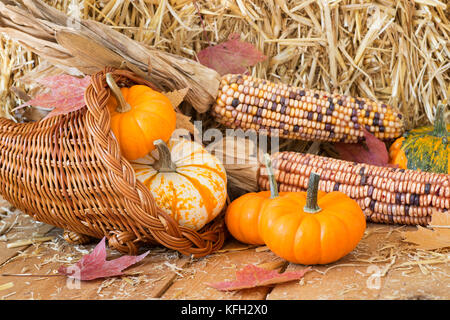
188	182
139	116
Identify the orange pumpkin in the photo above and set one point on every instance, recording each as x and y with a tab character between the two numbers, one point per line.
139	116
242	215
312	227
188	182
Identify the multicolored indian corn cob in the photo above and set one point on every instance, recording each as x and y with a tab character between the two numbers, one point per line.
385	194
250	103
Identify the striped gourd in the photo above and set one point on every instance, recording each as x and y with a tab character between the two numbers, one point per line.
250	103
389	195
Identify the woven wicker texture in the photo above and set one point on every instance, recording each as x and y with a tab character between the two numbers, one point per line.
68	171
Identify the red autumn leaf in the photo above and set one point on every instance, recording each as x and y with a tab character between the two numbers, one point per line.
232	56
66	94
94	265
252	276
372	151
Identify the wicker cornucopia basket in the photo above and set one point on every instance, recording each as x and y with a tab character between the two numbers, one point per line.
68	171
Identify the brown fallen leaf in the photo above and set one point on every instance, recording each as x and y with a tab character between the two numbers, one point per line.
428	239
176	97
252	276
184	122
20	93
27	114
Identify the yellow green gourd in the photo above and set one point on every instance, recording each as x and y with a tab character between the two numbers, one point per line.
425	148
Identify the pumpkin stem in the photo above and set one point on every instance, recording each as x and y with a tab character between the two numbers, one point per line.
271	177
440	127
165	163
122	104
311	194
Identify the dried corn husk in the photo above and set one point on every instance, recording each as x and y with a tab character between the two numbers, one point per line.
240	157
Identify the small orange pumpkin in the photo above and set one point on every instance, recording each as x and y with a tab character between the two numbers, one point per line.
312	227
242	215
139	116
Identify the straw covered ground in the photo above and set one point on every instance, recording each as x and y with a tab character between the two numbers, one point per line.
397	52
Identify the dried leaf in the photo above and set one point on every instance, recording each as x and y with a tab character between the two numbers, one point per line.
252	276
27	114
33	114
428	239
20	93
372	151
183	121
176	97
94	265
66	94
232	56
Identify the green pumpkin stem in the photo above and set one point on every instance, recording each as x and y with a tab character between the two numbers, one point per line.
311	194
271	177
165	163
122	104
440	127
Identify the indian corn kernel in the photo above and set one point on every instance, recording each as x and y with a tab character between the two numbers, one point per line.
389	195
250	103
